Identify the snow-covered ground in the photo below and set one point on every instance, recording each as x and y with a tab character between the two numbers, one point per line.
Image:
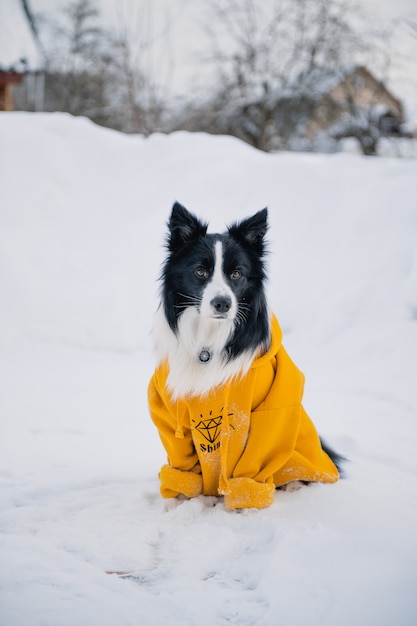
82	222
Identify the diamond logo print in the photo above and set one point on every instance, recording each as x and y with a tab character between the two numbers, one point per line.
210	428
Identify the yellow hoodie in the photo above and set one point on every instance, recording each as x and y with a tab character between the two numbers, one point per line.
242	439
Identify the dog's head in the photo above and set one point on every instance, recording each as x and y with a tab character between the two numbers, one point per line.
220	276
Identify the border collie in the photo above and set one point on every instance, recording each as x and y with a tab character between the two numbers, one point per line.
213	329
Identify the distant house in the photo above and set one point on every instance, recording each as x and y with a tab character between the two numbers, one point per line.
21	58
313	111
353	97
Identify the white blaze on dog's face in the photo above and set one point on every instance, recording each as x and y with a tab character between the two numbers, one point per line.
218	301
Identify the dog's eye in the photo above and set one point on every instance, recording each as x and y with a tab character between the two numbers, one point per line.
236	274
201	272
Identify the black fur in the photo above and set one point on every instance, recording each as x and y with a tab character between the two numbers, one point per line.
337	458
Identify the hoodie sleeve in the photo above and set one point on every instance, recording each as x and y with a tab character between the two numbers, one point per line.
182	474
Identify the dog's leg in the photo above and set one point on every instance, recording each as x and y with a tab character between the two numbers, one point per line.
295	485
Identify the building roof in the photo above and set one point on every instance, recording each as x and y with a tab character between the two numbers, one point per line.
20	50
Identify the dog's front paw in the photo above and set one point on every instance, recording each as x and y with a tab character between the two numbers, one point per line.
175	482
246	493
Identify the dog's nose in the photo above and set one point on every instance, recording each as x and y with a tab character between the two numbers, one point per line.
221	304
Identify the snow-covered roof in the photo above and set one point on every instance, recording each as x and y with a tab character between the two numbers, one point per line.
20	50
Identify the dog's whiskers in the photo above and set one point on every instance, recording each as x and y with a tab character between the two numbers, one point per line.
190	297
242	313
190	300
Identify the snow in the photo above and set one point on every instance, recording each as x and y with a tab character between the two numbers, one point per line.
82	222
19	50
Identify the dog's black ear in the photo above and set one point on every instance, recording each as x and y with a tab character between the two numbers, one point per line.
184	227
251	232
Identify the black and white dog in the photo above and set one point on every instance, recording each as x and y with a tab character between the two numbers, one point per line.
214	319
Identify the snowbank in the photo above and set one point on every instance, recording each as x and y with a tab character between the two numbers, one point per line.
81	230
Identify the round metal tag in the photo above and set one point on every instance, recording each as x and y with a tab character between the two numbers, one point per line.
204	356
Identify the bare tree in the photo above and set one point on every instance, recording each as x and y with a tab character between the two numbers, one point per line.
79	61
142	98
101	73
276	62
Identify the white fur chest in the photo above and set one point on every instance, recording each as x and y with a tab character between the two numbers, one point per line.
188	376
